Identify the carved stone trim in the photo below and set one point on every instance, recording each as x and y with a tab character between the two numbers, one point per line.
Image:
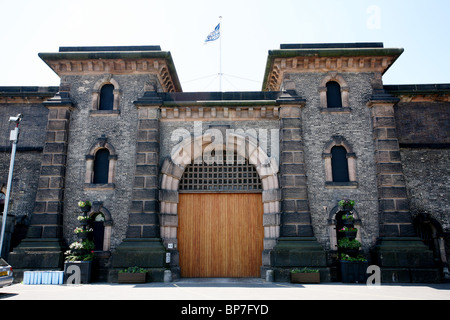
117	66
282	66
195	113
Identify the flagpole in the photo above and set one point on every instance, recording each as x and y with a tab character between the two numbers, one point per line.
220	55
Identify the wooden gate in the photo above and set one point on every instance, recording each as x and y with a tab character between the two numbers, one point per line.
220	235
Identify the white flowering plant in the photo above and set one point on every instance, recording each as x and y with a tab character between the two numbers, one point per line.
80	251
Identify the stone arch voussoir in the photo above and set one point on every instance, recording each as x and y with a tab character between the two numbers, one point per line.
190	149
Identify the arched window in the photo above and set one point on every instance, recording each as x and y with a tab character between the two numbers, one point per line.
334	94
334	97
339	165
106	97
101	166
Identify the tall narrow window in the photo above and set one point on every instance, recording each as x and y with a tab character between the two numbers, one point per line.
339	164
106	97
101	166
334	97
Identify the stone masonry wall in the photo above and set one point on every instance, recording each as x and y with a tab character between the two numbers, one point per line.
426	169
318	129
28	156
27	167
423	122
121	132
427	175
27	164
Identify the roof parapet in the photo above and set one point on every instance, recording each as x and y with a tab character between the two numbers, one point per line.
350	57
116	60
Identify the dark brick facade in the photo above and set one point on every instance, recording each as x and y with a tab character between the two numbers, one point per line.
396	137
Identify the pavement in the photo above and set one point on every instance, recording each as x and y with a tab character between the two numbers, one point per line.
226	290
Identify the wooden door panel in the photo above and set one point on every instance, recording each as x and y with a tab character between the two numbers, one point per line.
220	235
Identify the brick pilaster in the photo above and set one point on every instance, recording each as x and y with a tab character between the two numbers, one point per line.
143	246
143	221
400	254
296	246
296	217
46	221
395	217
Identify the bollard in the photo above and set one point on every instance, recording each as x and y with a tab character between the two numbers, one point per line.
269	276
167	276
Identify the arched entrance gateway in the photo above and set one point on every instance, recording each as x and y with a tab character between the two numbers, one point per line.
225	218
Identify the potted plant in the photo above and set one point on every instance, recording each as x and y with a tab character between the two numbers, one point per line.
81	252
84	220
85	205
348	219
346	204
353	269
305	275
349	246
349	232
132	275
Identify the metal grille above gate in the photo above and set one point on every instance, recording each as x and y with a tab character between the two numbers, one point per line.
218	176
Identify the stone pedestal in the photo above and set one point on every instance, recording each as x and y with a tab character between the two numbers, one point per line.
405	260
298	252
147	253
37	254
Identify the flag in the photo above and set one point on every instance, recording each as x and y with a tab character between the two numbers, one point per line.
214	35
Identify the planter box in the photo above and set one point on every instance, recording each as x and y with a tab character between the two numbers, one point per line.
348	222
124	277
346	208
84	272
350	252
354	272
349	234
305	277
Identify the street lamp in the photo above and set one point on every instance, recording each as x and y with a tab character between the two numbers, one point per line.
14	137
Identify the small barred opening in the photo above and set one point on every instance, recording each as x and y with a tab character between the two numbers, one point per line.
216	174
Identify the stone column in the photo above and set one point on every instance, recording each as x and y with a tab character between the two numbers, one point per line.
295	218
297	246
393	200
400	253
143	246
43	247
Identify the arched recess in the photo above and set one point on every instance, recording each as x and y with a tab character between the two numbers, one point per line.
97	208
433	236
100	143
334	77
333	226
192	148
107	79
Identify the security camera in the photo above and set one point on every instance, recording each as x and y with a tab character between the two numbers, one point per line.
16	118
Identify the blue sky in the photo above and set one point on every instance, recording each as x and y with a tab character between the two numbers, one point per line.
250	29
